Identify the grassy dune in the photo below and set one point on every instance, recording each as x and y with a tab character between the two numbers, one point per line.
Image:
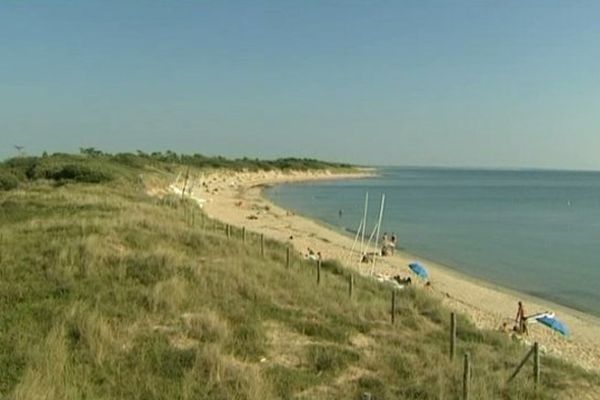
106	292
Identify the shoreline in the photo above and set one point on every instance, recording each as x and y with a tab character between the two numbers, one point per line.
448	269
234	196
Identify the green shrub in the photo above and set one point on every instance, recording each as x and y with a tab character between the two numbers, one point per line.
8	181
131	160
58	170
22	167
80	173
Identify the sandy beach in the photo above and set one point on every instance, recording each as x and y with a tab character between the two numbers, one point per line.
236	198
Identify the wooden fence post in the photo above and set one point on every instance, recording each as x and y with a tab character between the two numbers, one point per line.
287	257
318	272
529	353
262	245
466	377
393	312
452	336
536	363
350	285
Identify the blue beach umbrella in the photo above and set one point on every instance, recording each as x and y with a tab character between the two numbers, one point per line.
419	269
554	323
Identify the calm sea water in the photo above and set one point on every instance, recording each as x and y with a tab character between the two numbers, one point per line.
534	231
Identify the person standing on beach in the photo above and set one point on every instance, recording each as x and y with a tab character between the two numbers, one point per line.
520	319
340	213
384	244
393	243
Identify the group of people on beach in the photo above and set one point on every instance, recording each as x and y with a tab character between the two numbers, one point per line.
521	320
520	326
388	244
312	255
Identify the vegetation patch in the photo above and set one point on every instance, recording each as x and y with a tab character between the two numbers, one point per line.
108	293
322	329
8	181
289	381
373	385
330	358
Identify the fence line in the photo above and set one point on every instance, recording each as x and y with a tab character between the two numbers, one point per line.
467	361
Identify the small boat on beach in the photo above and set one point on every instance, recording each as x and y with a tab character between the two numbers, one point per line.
533	318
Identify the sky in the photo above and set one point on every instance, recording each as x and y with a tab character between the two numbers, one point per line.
507	84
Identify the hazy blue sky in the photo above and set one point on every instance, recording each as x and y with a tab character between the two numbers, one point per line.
457	83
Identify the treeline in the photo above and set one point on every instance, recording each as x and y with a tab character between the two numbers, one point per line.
202	161
95	166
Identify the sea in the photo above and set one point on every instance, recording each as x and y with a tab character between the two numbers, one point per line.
533	231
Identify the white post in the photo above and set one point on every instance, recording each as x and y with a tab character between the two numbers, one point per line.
378	228
355	240
364	224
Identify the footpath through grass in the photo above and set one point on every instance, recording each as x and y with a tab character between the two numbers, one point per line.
107	293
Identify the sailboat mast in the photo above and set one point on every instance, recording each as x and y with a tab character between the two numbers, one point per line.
364	224
380	218
355	240
378	229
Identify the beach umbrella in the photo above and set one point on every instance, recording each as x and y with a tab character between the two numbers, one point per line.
554	323
419	269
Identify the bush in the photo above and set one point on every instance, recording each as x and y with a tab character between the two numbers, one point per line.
130	160
60	171
22	167
80	173
8	181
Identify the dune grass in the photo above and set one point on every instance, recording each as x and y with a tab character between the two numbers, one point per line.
108	293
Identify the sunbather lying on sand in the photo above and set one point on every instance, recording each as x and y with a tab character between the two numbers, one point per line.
311	255
403	281
368	257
